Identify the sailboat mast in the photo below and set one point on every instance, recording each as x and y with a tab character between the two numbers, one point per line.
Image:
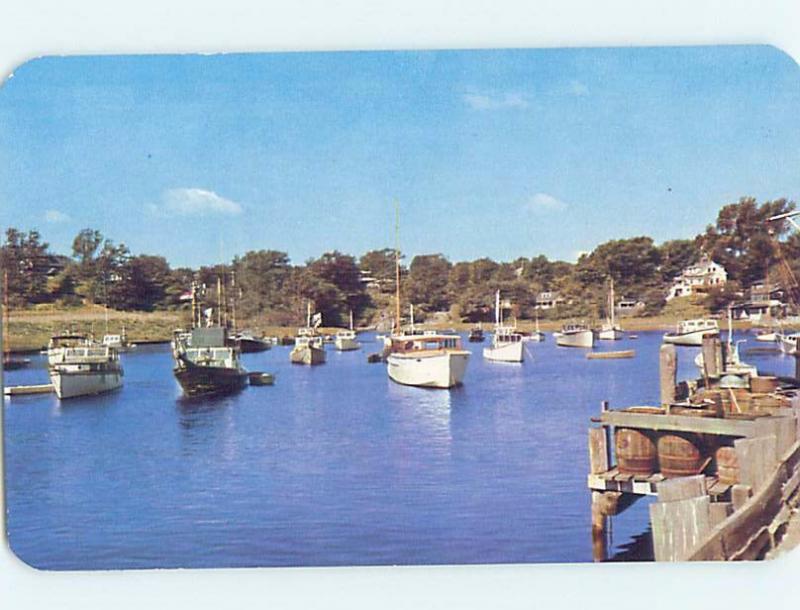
308	314
497	314
219	301
6	318
351	319
611	302
397	263
411	315
233	299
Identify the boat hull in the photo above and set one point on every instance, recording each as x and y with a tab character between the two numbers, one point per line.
788	344
251	346
691	339
344	344
209	380
307	355
72	382
584	338
442	370
508	352
610	334
536	336
767	337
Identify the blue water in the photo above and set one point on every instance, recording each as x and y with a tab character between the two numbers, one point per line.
333	465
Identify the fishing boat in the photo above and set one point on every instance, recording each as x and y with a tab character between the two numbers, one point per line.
308	347
248	343
788	343
575	335
691	332
79	366
610	330
476	335
429	361
10	363
506	342
345	340
206	363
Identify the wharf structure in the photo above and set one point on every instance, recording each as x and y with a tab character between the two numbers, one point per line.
721	455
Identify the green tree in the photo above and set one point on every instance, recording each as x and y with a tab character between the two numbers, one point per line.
26	260
427	282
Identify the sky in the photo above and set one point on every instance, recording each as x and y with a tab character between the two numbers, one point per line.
496	153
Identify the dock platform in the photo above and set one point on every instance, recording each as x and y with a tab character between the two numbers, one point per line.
25	390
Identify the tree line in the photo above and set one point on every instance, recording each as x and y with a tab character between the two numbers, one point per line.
267	286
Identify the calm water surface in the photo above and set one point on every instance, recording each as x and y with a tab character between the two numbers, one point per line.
333	465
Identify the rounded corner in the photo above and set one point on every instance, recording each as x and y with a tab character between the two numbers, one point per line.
18	557
8	77
773	47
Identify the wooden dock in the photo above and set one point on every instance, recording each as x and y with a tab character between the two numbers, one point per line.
732	506
25	390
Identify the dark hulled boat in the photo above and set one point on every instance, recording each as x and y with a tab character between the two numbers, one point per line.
248	343
476	335
206	364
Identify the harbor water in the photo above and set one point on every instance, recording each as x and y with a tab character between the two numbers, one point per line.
333	465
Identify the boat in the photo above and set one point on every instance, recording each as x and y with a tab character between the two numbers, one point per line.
733	364
345	340
575	335
10	363
788	342
429	361
308	347
767	336
535	335
248	343
610	330
206	364
476	335
79	366
691	332
506	342
118	342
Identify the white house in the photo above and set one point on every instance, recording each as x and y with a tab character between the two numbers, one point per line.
699	277
548	300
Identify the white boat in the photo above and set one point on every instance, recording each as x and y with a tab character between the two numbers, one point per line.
118	342
610	330
767	336
507	346
788	342
345	340
308	346
575	335
733	364
691	332
506	342
79	366
536	335
429	361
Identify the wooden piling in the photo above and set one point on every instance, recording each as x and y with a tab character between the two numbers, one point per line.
712	357
668	373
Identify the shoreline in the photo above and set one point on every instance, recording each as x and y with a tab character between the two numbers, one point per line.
30	331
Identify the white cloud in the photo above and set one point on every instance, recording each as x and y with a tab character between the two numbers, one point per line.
578	88
194	202
542	202
54	216
485	101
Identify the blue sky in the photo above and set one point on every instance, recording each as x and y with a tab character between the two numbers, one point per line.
500	153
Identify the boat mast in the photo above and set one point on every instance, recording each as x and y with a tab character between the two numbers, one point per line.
611	303
498	315
411	315
233	299
397	263
308	314
351	319
219	301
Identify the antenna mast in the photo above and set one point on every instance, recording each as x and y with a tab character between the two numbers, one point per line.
397	262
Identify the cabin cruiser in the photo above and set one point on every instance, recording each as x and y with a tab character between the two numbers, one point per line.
79	366
691	332
248	343
308	348
430	361
575	335
206	363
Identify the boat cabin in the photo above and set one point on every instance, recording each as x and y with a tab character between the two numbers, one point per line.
425	343
689	326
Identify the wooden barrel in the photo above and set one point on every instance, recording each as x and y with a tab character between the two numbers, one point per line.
680	454
763	385
727	465
636	452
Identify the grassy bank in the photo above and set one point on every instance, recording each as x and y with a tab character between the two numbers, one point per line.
32	329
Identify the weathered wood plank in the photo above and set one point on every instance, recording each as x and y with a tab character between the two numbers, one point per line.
719	511
740	494
686	423
756	458
679	527
682	488
668	373
598	451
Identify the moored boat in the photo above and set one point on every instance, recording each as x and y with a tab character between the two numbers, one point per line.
248	343
788	342
476	335
78	366
206	363
430	361
610	330
308	346
506	341
345	340
575	335
691	332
